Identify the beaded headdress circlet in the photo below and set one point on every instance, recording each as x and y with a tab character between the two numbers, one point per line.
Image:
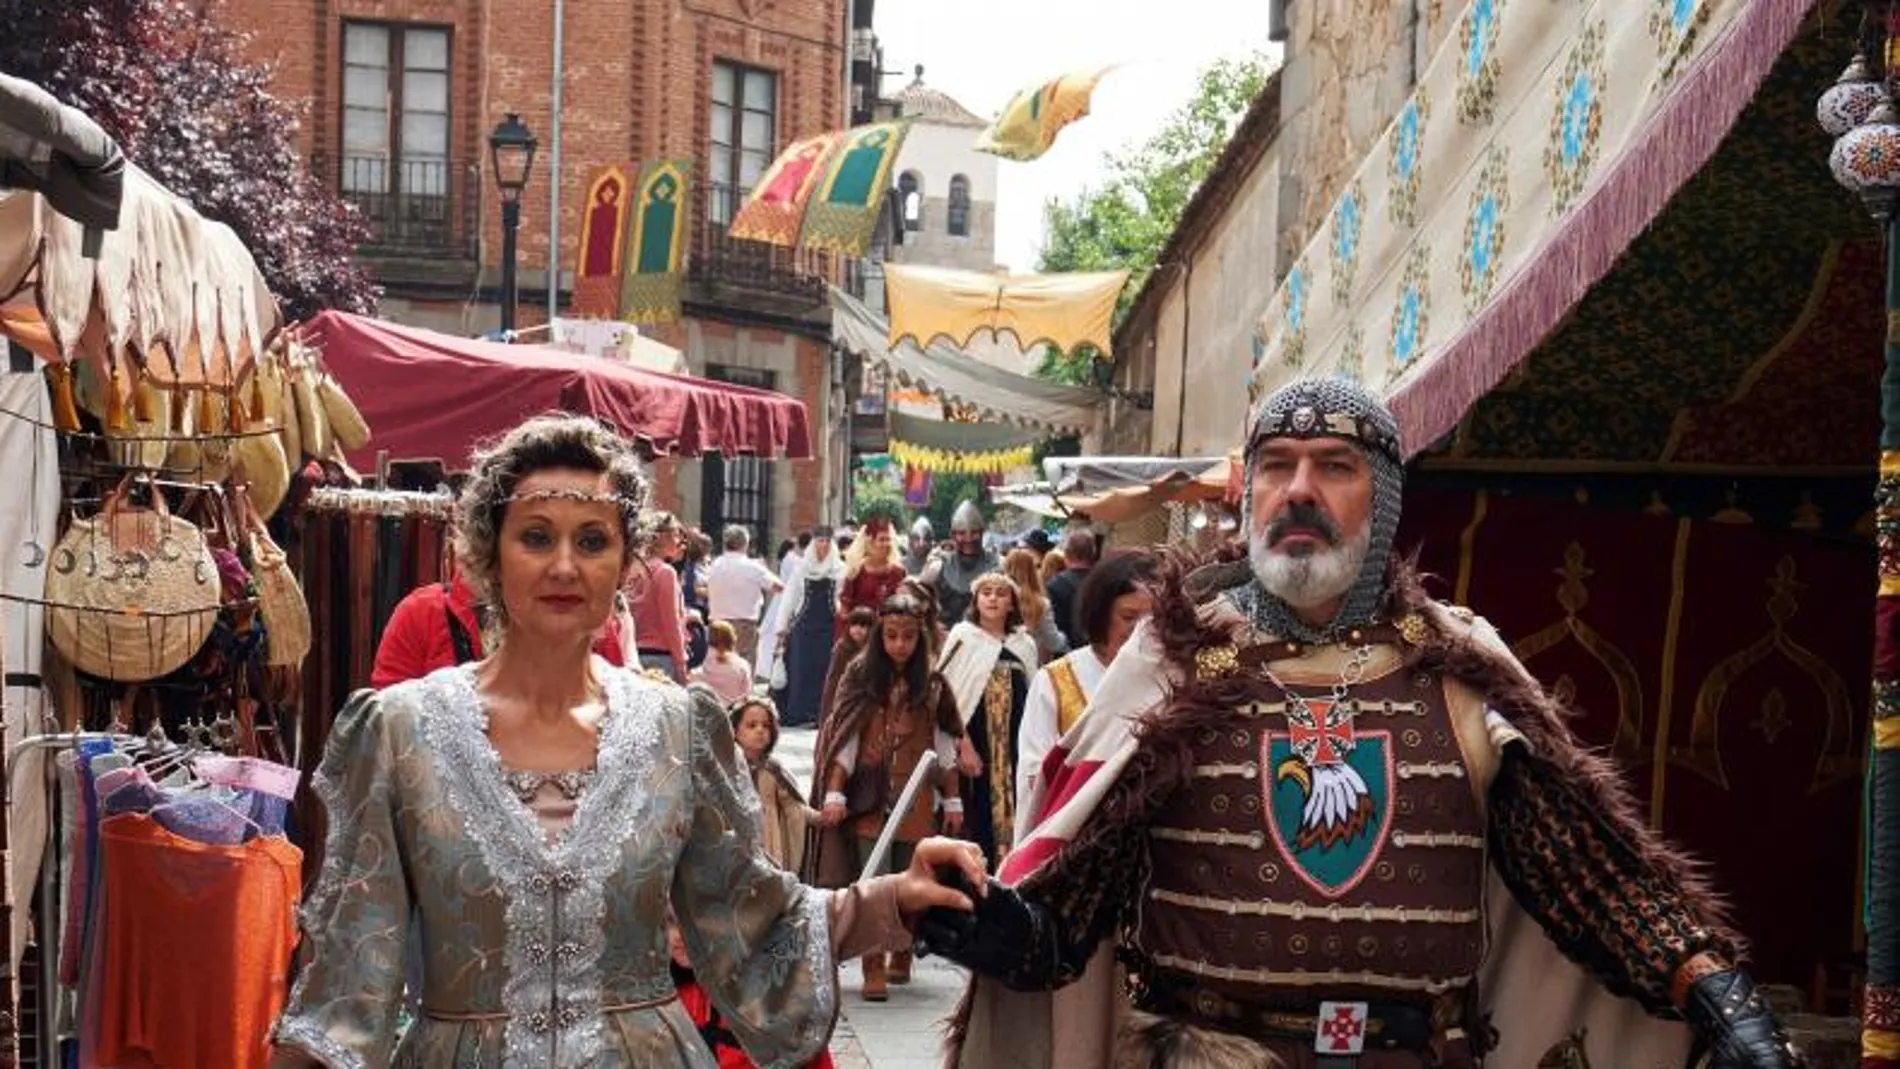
585	497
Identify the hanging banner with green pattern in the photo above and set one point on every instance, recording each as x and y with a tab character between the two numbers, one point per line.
842	214
656	244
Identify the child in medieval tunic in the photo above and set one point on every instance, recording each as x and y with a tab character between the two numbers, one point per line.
892	713
988	660
786	816
857	634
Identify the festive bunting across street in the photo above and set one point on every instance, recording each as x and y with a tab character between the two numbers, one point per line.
956	447
1033	117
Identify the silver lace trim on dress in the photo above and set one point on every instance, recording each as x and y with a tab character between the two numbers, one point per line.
549	953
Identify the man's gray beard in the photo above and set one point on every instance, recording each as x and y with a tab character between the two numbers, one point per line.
1315	579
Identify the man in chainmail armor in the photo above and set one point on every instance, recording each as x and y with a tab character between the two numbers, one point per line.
1316	820
949	574
917	551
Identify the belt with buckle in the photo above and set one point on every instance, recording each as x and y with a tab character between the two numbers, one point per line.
1336	1029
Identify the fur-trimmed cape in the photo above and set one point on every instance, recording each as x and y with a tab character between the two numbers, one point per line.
1570	855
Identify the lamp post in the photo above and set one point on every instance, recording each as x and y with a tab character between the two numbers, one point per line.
511	150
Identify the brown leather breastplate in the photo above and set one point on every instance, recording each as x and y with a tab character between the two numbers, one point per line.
1322	853
903	737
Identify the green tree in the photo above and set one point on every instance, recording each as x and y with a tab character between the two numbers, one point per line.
1125	222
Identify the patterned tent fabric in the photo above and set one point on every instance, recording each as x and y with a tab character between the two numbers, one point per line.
656	244
928	303
1539	143
841	213
597	262
776	209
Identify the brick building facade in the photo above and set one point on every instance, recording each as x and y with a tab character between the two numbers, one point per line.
399	97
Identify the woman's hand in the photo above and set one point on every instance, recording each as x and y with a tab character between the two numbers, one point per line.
967	760
918	889
832	815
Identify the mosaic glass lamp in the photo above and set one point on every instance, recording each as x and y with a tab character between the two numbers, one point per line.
1851	99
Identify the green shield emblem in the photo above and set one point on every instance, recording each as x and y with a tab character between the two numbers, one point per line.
1330	821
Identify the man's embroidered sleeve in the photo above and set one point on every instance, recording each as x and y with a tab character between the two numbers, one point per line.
1606	892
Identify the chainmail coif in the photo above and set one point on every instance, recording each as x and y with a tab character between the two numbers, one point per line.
1329	408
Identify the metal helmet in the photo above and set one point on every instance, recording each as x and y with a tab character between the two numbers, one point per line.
967	519
1331	408
922	531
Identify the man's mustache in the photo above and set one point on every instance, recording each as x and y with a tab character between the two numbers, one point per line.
1305	518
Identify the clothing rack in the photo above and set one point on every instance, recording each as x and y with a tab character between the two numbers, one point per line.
48	886
358	553
255	781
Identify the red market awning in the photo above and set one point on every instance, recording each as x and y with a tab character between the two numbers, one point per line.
430	395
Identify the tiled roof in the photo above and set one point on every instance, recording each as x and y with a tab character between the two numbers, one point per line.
919	101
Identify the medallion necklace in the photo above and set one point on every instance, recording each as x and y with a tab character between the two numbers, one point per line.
1325	736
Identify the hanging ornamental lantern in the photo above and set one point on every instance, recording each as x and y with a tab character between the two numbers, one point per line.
1868	156
1851	99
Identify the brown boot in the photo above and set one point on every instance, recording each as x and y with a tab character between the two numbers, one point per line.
900	967
874	979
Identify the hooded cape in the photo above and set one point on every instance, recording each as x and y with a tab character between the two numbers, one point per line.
829	851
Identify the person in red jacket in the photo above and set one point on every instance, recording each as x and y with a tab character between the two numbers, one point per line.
439	625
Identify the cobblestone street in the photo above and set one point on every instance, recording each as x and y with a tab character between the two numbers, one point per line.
906	1032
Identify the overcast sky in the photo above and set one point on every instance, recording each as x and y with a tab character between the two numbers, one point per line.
982	51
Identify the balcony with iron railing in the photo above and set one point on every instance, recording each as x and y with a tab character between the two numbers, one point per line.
730	268
424	216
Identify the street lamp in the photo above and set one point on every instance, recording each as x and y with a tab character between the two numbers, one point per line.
511	150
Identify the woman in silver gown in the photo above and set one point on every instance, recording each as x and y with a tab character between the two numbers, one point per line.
505	837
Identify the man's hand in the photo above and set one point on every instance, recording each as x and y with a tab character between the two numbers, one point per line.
953	822
920	890
832	815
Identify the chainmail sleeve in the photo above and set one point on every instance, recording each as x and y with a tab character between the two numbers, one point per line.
1608	893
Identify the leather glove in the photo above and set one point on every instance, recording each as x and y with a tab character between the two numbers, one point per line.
1741	1031
1005	937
